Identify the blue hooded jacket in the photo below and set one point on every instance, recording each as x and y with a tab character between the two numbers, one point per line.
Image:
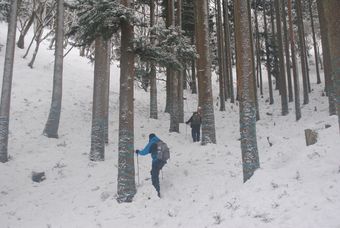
149	147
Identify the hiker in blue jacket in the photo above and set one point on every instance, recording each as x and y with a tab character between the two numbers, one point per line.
157	164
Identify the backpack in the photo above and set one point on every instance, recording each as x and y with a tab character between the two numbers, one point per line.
163	152
196	119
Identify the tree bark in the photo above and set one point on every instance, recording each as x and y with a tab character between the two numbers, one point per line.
329	82
331	10
170	21
274	47
38	38
282	73
99	100
294	64
229	70
221	59
193	77
180	87
270	84
21	40
253	60
153	85
314	43
286	47
107	92
52	124
126	169
204	72
258	57
250	158
302	52
7	82
173	77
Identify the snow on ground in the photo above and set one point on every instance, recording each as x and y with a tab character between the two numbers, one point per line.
296	186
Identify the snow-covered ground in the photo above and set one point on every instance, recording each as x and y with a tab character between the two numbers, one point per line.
296	186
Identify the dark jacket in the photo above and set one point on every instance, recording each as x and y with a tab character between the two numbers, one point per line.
192	123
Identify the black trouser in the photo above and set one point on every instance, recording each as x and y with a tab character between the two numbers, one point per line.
156	167
195	132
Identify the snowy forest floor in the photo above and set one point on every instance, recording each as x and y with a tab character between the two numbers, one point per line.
296	186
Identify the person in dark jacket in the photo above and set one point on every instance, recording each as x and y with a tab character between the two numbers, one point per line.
195	123
157	165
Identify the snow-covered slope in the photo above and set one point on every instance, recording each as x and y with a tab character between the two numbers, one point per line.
296	186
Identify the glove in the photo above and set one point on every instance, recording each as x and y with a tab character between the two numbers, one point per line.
137	151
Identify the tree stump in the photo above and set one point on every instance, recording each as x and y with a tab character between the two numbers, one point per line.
311	137
38	176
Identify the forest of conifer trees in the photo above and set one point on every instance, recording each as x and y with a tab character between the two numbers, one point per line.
181	42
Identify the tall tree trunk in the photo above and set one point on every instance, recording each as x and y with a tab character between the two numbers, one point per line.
37	46
258	57
331	10
250	157
220	55
274	46
180	103
168	104
302	52
7	82
193	77
52	124
226	77
286	47
270	84
21	40
329	82
282	73
153	84
40	24
253	61
229	70
185	77
99	100
306	58
180	96
314	43
173	77
107	93
170	21
204	72
174	121
294	64
126	169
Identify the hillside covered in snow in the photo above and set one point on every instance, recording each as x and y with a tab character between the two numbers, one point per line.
202	186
